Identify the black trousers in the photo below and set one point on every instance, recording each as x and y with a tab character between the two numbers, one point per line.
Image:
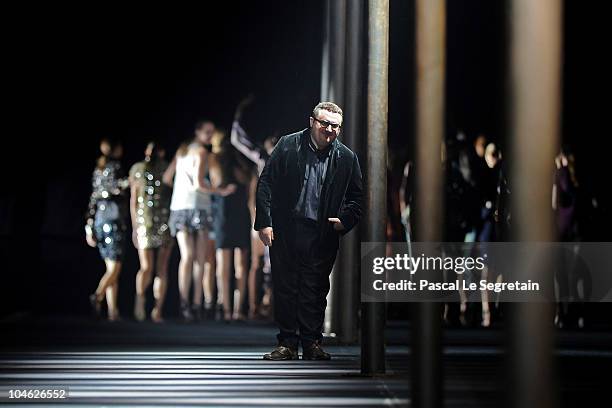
300	276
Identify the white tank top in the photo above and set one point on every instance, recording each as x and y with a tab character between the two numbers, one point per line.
185	195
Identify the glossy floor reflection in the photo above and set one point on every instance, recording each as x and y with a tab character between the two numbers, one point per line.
217	364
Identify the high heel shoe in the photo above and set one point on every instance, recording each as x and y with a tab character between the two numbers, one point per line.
209	311
156	316
559	322
462	314
113	318
486	318
227	317
186	313
96	305
196	311
139	308
219	312
237	316
253	313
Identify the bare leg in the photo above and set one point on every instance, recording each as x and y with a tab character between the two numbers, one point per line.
186	243
197	277
210	270
557	291
257	250
240	268
219	278
143	277
499	279
143	280
161	282
209	279
112	294
462	301
110	276
112	288
201	245
224	262
446	308
484	297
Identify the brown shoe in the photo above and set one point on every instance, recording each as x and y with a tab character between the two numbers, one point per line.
315	352
282	353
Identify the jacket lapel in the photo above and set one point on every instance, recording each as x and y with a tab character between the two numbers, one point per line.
301	161
332	167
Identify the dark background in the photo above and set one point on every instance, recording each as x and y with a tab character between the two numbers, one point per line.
76	75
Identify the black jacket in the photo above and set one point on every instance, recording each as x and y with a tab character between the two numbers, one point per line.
280	185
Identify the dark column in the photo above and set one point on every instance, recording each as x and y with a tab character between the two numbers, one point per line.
325	57
430	19
535	95
373	314
336	43
353	135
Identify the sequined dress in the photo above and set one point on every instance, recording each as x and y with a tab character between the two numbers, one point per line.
108	209
152	204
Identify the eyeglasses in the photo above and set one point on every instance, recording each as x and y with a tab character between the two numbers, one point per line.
325	124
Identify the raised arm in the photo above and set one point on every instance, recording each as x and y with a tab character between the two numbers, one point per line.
243	104
263	217
243	144
240	139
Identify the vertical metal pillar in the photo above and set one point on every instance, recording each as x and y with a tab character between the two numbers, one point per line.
325	58
430	19
534	113
373	314
337	50
335	93
353	135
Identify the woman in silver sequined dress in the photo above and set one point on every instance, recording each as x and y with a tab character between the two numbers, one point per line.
149	210
105	226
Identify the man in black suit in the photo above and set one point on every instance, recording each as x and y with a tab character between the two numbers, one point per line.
309	193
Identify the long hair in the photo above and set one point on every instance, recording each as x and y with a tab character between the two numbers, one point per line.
182	149
233	169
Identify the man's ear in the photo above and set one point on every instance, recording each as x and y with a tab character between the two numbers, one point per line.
311	121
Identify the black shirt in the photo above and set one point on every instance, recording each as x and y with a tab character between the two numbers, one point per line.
316	167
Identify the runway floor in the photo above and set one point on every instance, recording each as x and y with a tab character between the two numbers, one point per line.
215	364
